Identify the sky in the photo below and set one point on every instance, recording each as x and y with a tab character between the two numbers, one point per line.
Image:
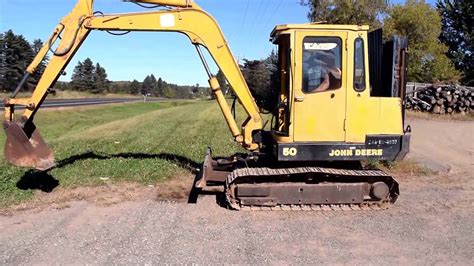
246	25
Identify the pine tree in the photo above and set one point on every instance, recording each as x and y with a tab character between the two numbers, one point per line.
89	70
77	80
160	87
83	76
154	85
16	56
3	65
147	86
100	80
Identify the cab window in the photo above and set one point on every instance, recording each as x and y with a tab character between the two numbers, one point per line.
321	64
359	70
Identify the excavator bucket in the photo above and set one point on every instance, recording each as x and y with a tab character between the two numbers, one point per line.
26	148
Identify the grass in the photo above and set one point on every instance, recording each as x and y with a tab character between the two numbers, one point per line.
139	142
73	95
402	167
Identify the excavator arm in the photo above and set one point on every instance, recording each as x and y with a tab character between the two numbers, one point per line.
25	147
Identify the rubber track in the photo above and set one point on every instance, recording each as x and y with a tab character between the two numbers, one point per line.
264	171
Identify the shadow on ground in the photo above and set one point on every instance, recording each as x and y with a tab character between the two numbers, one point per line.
44	181
37	180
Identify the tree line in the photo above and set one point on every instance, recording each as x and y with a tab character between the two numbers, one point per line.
93	78
441	40
16	53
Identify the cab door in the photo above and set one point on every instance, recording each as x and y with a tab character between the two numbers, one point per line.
319	86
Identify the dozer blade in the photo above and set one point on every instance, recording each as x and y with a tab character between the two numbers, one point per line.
26	148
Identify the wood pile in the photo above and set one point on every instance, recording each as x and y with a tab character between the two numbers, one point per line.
441	99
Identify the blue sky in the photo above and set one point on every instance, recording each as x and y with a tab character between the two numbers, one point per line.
245	23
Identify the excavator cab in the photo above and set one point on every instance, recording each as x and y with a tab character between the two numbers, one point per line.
330	108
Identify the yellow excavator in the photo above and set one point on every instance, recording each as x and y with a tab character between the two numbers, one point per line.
340	101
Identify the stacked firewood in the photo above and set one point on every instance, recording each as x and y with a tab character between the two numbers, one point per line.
440	99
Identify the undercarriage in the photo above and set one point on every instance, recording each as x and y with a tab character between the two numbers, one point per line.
251	183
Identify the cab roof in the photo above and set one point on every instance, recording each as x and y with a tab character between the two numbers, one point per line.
281	29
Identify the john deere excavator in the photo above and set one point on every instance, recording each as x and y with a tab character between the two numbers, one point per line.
340	102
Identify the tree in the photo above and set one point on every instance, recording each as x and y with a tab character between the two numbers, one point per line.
147	86
222	81
100	80
346	11
3	65
183	93
15	55
135	87
421	24
77	80
89	70
62	85
160	87
154	85
261	77
168	92
457	33
83	76
195	89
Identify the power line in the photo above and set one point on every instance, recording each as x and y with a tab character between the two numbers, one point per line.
274	12
242	27
265	6
254	24
245	14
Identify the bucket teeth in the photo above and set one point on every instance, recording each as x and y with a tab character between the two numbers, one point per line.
25	147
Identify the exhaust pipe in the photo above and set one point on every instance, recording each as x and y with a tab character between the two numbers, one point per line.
25	147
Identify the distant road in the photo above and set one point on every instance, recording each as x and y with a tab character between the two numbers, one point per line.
87	101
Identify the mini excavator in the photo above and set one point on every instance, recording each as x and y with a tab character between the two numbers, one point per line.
340	102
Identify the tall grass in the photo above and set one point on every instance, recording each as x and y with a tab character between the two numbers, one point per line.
139	142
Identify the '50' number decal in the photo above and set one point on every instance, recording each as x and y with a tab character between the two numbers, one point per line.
289	151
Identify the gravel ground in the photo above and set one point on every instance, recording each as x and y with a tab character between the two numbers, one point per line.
437	231
431	223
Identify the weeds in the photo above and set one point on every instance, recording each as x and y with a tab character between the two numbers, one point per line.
398	167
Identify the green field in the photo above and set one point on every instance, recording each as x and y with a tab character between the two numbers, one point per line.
66	94
139	142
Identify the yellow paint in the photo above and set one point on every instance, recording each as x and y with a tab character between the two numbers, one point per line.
342	114
180	3
224	107
365	114
318	116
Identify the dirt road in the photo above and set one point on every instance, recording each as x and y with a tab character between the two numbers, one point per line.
431	223
443	145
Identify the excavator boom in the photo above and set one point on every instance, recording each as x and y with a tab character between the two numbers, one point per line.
25	146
